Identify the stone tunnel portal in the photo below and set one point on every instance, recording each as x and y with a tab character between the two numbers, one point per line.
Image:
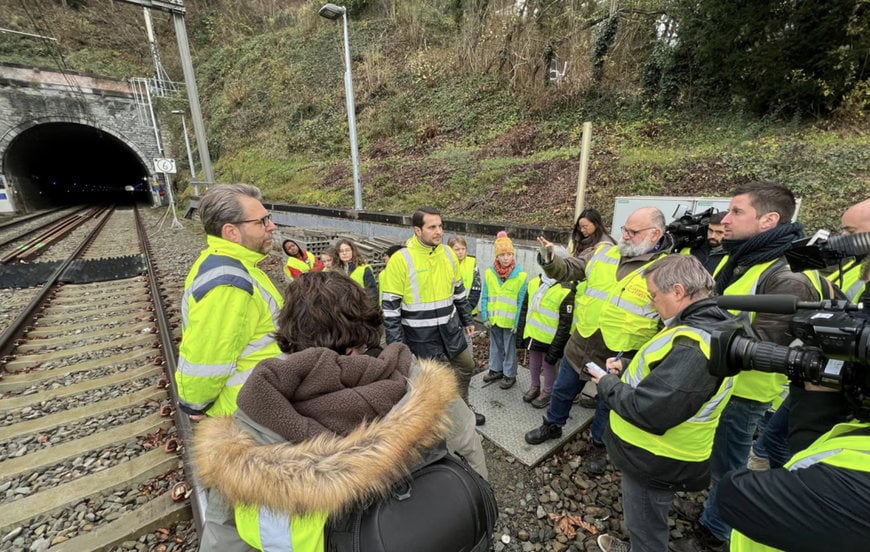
58	163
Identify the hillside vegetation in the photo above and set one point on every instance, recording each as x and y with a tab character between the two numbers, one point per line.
454	108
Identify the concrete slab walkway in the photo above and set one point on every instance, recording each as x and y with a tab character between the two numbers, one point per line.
508	418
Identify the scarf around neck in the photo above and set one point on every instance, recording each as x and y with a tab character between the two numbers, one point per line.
546	284
760	248
504	271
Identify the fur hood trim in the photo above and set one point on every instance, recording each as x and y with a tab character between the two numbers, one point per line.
328	473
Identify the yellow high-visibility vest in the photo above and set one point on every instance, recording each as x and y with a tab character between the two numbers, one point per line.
620	309
839	447
692	440
503	298
542	321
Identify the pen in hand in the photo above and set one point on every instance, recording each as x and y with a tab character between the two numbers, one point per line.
618	362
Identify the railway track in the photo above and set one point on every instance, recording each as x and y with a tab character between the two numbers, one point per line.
90	449
18	231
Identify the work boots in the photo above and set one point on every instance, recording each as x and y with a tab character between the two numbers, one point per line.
595	462
547	431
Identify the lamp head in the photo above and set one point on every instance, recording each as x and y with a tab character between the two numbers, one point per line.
177	112
331	11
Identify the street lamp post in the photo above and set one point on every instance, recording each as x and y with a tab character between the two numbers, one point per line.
186	144
331	11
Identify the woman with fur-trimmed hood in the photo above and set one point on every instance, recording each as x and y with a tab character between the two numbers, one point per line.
328	425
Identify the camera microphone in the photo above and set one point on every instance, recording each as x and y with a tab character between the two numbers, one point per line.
774	304
778	304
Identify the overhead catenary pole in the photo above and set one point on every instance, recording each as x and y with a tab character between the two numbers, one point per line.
186	143
193	97
176	8
585	145
167	176
152	44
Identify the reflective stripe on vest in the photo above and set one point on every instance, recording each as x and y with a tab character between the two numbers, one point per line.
503	298
542	320
751	384
851	282
819	283
415	312
201	378
467	267
836	448
621	309
692	440
271	531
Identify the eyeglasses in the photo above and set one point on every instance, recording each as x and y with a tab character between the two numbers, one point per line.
653	294
265	221
633	233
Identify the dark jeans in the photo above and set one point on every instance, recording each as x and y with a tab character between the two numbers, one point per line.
731	446
568	385
772	442
646	515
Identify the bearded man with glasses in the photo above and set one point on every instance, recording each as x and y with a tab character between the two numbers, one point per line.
614	316
230	306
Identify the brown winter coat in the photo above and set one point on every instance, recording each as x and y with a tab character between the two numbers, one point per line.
327	473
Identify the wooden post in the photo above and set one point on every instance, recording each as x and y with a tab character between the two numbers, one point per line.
586	143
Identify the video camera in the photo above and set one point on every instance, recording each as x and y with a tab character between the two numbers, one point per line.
835	351
690	230
823	250
835	335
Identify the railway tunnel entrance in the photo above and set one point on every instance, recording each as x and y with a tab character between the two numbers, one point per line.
53	164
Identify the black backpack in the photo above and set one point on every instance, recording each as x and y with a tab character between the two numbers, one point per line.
444	506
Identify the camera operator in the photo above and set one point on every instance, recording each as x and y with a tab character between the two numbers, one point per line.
852	276
665	409
711	253
821	499
758	232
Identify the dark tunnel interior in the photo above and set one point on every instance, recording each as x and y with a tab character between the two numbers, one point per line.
58	164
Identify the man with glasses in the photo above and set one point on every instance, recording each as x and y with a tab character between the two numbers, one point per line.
666	405
615	316
229	305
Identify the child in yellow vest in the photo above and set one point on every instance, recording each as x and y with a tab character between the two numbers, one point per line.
546	319
504	290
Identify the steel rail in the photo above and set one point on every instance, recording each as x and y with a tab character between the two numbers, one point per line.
183	424
37	244
37	229
17	327
26	218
